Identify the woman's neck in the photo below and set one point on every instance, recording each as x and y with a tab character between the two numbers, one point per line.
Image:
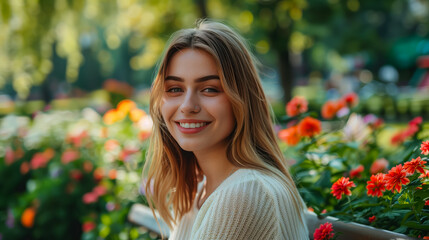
215	166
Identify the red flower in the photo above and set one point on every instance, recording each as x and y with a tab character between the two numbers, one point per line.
398	138
371	219
356	171
416	121
395	178
309	127
324	232
376	185
290	135
76	174
380	165
88	226
425	147
296	106
427	203
424	175
329	109
413	165
342	186
351	99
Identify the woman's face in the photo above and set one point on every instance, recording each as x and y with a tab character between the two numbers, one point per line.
194	106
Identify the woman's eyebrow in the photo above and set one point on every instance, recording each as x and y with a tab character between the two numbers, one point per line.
200	79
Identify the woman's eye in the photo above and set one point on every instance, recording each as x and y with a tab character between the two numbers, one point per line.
174	90
211	90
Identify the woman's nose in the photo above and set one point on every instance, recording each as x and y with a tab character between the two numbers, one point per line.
190	103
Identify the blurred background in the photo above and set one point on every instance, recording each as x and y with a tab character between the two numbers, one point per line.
74	93
67	54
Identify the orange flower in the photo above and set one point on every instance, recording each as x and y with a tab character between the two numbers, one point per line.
111	145
329	109
356	171
371	219
125	106
395	178
143	135
113	116
136	114
25	167
308	127
27	217
112	174
413	165
290	135
380	165
376	185
425	147
98	174
342	186
351	99
324	232
296	106
87	166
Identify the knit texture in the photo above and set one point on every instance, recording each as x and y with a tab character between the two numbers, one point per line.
247	205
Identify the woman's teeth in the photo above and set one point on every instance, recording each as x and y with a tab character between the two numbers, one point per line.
192	125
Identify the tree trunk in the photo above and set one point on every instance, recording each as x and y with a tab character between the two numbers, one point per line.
285	73
202	6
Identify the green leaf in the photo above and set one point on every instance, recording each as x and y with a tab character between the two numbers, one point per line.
416	225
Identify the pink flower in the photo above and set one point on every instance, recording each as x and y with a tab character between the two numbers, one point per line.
89	198
324	232
99	190
380	165
69	156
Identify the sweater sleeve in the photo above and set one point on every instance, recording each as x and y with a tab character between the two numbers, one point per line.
242	211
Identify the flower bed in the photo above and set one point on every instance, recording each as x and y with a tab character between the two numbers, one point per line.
72	175
358	168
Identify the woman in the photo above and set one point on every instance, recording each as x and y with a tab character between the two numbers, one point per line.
212	126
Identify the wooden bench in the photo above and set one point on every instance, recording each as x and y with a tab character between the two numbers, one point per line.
142	215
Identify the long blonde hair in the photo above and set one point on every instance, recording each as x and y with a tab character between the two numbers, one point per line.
172	171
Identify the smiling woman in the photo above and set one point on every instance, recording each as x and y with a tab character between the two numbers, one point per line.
213	158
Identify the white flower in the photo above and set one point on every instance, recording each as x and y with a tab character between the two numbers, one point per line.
355	129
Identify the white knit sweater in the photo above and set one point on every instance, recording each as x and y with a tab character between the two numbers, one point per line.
247	205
